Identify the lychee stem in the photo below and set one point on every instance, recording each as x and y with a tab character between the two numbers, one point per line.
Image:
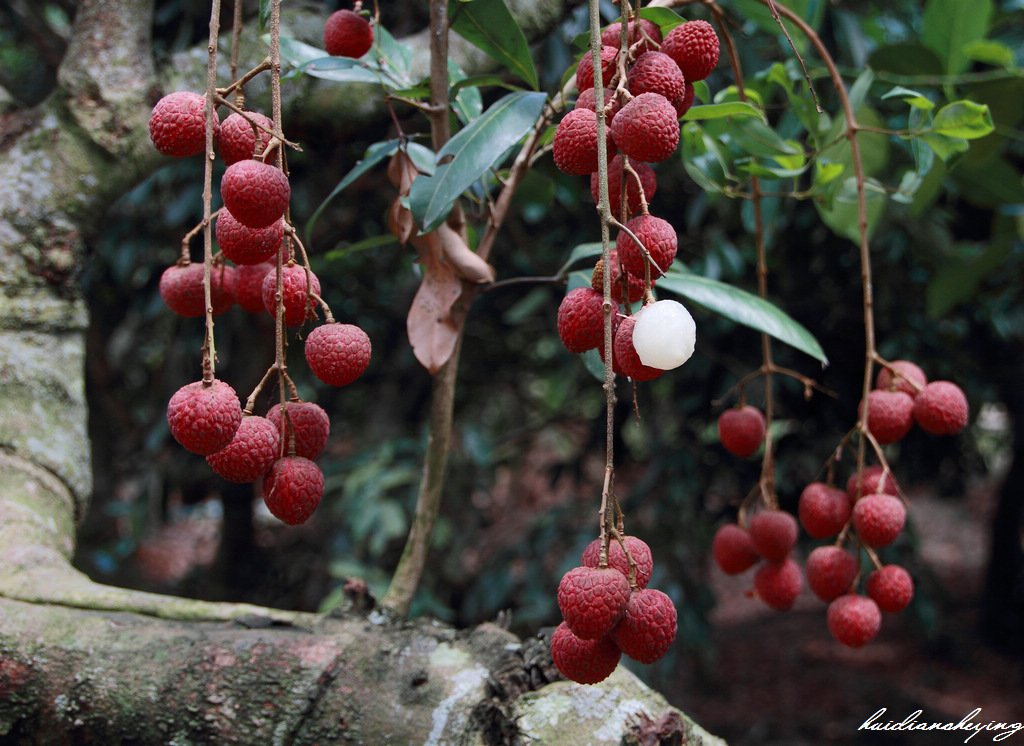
209	349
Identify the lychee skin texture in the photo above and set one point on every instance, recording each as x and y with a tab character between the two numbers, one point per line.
310	426
891	587
575	145
625	355
292	489
588	100
658	237
656	72
610	36
244	245
249	286
583	661
871	483
298	305
181	287
647	128
581	320
683	104
585	68
941	408
903	379
250	453
337	353
592	600
635	285
853	619
204	417
774	534
648	628
694	47
733	549
256	193
741	430
638	549
778	583
879	519
830	572
890	415
238	141
648	182
177	125
823	510
347	34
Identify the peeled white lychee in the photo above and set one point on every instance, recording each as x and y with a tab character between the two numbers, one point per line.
664	334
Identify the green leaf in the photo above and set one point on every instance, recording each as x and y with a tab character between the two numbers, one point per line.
474	150
944	146
374	242
467	101
826	171
703	158
951	25
874	146
491	27
991	52
956	281
737	109
756	138
915	99
908	58
580	252
264	13
744	308
964	119
838	207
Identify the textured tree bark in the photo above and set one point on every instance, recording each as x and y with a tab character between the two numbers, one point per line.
82	662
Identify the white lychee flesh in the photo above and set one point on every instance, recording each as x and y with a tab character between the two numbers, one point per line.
664	334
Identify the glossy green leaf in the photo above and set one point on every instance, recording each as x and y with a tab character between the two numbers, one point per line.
755	137
991	52
473	150
465	100
264	13
944	146
491	27
951	25
839	211
736	109
964	119
915	99
744	308
703	158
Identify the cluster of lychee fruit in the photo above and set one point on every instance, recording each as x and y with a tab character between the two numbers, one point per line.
903	396
607	610
206	416
643	102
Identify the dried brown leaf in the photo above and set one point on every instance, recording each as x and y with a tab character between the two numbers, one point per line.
432	330
469	265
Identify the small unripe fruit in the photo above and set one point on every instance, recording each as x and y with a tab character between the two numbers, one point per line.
347	34
203	417
853	619
733	549
638	550
778	583
592	600
879	519
823	510
583	661
292	489
891	587
830	572
648	627
941	408
902	376
664	335
741	430
774	534
890	415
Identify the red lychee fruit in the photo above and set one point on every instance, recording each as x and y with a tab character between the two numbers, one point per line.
583	661
244	245
682	105
250	453
575	145
694	47
733	549
647	128
635	285
901	375
853	619
941	408
588	100
741	430
611	34
774	534
891	587
203	417
823	510
298	290
347	34
648	182
638	550
648	627
255	192
830	572
658	237
879	519
592	600
249	286
625	355
292	489
890	415
177	125
581	320
310	426
656	72
871	482
337	353
778	583
238	140
585	68
181	287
